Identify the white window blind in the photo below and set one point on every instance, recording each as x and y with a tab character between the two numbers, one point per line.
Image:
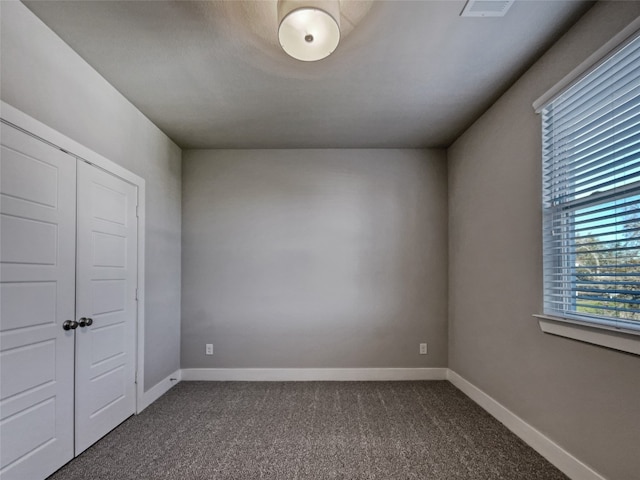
591	195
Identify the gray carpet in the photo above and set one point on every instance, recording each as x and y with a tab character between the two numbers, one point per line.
311	430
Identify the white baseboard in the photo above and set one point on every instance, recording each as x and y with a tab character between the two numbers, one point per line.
312	374
554	453
159	389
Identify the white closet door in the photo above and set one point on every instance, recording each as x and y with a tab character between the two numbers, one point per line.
106	294
37	294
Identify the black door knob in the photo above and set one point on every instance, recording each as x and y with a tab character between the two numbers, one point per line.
69	325
85	322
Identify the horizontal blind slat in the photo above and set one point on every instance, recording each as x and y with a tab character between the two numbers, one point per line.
602	75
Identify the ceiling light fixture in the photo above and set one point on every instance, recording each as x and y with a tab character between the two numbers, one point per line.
309	29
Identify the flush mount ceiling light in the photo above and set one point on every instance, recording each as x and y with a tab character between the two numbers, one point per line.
309	29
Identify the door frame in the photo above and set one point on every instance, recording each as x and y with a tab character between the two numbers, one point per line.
35	128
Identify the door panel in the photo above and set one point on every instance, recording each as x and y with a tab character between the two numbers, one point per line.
37	294
106	290
35	425
27	241
28	304
33	361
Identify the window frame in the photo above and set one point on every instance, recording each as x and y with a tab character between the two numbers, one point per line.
584	327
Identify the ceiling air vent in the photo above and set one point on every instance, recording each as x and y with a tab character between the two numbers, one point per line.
486	8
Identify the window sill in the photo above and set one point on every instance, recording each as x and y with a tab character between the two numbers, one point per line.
624	342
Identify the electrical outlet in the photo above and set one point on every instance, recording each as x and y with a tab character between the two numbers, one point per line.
209	350
423	349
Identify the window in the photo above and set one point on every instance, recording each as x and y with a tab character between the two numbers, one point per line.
591	196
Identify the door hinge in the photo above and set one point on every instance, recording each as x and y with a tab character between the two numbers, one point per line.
136	294
136	378
137	212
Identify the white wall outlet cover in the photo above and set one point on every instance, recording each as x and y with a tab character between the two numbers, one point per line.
423	349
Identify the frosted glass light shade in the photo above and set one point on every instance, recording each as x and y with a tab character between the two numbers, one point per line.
309	30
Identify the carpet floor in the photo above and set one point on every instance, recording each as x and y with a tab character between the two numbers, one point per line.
311	430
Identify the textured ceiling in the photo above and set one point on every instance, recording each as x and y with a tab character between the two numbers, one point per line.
211	74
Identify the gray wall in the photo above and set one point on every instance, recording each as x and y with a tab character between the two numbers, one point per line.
44	78
584	397
314	258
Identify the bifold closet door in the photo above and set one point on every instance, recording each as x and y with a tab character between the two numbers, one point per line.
106	303
37	295
68	279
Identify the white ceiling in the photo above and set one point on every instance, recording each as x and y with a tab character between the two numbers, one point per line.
211	74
